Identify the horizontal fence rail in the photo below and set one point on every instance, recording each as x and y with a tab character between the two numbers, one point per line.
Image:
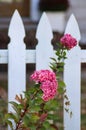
83	56
31	56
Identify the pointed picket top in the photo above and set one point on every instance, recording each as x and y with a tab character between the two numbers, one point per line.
73	28
16	28
44	28
44	49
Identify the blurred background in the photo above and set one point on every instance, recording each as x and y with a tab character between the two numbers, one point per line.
58	12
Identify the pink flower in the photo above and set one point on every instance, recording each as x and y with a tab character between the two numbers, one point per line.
48	83
43	75
35	76
68	41
49	89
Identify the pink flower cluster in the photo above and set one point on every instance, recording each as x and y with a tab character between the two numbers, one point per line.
68	41
48	83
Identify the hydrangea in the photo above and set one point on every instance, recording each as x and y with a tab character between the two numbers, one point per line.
68	41
48	83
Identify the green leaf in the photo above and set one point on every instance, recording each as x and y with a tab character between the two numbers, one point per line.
50	107
53	66
35	108
32	127
17	107
14	103
26	120
20	106
53	59
9	123
46	125
57	52
64	54
53	117
61	84
30	118
34	117
60	70
11	116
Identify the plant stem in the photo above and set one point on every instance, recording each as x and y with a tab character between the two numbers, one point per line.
20	120
25	110
34	95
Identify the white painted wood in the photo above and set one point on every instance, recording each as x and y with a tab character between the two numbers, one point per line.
83	56
44	49
16	59
72	76
72	28
3	56
31	56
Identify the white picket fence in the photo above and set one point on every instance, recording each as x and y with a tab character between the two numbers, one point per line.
16	56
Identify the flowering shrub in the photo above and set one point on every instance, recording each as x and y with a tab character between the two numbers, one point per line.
48	83
38	109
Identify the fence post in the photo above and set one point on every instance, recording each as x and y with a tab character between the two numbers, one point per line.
72	76
44	49
16	58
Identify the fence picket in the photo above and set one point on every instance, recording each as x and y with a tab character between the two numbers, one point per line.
16	58
44	49
72	76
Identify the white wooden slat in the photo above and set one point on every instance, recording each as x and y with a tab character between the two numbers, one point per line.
16	59
16	29
31	56
73	28
72	76
3	56
83	56
44	49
